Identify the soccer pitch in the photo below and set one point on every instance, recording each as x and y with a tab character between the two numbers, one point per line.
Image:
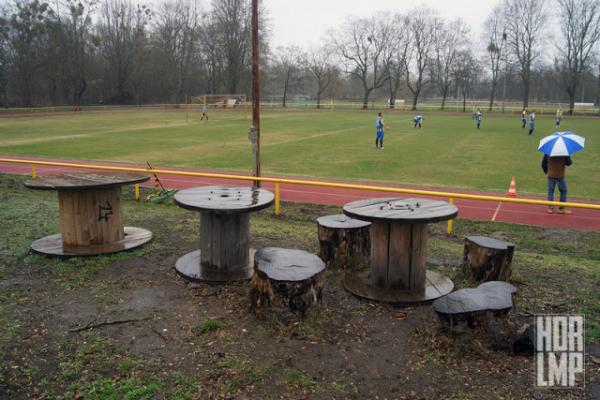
448	152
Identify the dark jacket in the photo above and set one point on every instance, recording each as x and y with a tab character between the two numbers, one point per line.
555	167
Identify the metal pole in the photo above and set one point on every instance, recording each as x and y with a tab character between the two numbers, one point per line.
450	221
255	93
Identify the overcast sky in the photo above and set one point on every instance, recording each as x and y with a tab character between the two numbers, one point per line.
305	22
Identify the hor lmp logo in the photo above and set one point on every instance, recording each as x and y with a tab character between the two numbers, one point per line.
560	351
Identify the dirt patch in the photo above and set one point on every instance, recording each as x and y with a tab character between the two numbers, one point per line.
157	336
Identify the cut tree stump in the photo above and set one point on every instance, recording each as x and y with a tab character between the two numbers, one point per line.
467	305
294	276
344	242
486	259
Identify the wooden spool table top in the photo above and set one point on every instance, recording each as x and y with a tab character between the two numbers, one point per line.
224	199
340	221
399	210
79	180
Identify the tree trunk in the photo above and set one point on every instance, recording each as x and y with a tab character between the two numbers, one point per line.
319	99
464	101
293	277
444	96
366	99
492	96
392	100
415	100
486	259
571	102
344	242
526	84
285	89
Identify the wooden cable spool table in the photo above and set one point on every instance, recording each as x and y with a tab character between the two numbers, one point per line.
91	214
398	272
225	253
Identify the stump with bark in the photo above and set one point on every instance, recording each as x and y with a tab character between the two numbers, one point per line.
486	259
285	277
344	242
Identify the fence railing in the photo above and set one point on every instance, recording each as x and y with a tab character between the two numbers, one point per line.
325	105
451	196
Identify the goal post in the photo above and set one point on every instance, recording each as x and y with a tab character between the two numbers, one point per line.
222	101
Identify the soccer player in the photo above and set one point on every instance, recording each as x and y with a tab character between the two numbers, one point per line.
418	120
558	116
478	118
379	125
524	119
204	113
531	122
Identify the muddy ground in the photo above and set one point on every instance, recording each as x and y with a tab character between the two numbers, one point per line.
128	327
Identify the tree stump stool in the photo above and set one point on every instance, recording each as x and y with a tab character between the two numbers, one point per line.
295	276
486	259
466	305
344	241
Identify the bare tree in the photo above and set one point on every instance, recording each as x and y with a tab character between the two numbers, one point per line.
399	50
362	45
75	28
176	35
449	39
525	21
233	20
210	49
465	72
423	23
286	67
580	32
495	35
319	65
122	34
26	29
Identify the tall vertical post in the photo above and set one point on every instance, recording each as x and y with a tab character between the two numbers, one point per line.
255	93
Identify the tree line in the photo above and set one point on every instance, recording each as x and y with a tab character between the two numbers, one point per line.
117	52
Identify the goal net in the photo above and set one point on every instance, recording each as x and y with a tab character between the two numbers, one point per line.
212	101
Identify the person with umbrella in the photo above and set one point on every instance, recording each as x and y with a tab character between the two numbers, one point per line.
557	149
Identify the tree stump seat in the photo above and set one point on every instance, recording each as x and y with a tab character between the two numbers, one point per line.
344	242
295	277
486	259
466	305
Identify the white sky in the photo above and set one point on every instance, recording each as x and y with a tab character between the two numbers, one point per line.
305	22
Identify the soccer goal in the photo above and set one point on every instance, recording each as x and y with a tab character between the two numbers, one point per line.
222	101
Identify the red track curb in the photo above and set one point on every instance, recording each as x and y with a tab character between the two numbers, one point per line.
581	219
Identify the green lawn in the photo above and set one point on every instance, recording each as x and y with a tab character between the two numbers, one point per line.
447	152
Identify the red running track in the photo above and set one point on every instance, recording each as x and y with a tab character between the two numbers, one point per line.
581	219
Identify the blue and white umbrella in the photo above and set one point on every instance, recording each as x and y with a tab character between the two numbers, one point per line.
561	144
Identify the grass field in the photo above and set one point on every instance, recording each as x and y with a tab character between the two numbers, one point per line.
447	152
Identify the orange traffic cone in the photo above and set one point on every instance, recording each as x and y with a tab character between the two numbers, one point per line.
512	189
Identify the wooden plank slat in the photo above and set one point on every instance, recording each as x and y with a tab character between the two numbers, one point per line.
400	210
379	254
418	253
400	259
